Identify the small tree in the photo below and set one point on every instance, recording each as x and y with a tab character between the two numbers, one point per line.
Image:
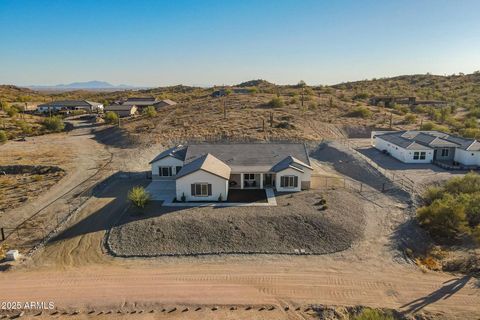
361	112
111	117
54	124
3	136
150	111
139	196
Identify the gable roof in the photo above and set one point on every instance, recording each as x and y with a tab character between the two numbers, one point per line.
140	101
118	107
177	152
250	157
290	162
397	139
206	163
167	102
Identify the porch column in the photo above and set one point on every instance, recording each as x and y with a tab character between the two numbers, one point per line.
241	181
261	180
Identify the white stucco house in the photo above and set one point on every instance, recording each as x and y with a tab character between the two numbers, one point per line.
428	147
70	105
206	172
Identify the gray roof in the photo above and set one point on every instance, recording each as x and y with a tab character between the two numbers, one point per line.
140	101
290	162
71	103
118	107
166	102
416	140
177	152
250	157
207	163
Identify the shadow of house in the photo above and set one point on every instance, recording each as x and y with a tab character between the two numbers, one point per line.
114	137
448	289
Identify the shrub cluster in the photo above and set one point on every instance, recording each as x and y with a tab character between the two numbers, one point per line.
452	210
361	112
139	196
276	102
53	124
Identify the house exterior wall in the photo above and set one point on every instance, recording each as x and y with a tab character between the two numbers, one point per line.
468	158
219	186
399	153
449	157
302	176
165	162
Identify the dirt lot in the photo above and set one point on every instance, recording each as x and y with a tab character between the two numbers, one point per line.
296	223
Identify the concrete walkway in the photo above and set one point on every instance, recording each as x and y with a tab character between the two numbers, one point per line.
271	201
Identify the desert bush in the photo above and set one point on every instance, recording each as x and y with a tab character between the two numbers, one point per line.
24	126
360	96
3	136
253	90
150	111
53	124
470	123
410	118
276	102
453	209
111	117
139	196
293	100
372	314
361	112
470	133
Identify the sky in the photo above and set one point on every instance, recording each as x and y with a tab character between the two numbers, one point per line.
206	42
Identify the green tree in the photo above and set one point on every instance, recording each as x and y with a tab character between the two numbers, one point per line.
53	124
150	111
111	117
139	196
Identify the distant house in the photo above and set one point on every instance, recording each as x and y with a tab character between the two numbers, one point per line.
25	106
144	102
122	110
204	172
70	105
428	146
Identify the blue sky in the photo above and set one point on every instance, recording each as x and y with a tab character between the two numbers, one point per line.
204	42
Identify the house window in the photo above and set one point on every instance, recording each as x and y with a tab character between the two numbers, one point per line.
419	155
201	189
165	171
416	155
177	169
288	181
422	155
445	152
248	176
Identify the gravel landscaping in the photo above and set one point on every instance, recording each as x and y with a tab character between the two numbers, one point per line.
300	221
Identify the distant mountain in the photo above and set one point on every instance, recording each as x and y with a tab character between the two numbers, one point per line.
87	85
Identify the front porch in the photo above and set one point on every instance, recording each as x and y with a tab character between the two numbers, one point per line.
251	180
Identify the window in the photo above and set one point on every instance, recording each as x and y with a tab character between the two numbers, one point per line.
201	189
419	155
177	169
288	181
165	171
445	152
248	176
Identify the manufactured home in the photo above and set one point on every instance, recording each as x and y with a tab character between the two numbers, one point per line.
206	172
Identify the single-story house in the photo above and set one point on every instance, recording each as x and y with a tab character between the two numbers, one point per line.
148	101
25	106
70	105
206	172
428	147
122	110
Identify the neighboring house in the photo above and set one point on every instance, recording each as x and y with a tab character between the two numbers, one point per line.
204	172
144	102
427	147
70	105
122	110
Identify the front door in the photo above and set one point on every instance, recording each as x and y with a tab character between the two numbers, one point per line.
268	180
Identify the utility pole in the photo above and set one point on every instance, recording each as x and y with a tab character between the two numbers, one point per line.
391	119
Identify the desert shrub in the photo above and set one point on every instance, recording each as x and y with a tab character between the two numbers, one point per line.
401	109
3	136
453	209
361	112
276	102
24	126
470	123
285	125
427	126
360	96
372	314
253	90
410	118
111	117
139	196
10	110
470	133
293	100
150	111
444	218
53	124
